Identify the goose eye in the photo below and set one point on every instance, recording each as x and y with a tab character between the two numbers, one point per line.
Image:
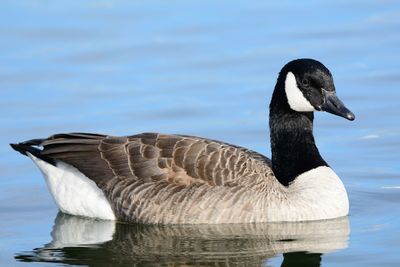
305	82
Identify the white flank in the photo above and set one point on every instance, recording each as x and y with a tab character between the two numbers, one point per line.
73	192
295	97
318	194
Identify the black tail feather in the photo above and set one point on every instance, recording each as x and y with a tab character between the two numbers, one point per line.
32	146
21	148
28	147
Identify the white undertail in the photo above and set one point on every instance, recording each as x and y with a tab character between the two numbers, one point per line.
73	192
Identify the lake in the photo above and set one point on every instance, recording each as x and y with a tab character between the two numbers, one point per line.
204	68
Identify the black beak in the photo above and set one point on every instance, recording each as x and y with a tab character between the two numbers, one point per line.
332	104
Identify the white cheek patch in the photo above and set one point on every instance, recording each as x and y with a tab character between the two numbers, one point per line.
295	97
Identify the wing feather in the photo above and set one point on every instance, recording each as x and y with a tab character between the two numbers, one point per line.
152	156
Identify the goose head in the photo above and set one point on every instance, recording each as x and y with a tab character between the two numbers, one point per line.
303	87
308	87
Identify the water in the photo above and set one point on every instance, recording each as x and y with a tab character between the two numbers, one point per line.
203	68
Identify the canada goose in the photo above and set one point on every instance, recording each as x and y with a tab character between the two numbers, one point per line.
177	179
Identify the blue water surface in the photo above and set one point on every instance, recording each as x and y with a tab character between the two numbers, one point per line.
204	68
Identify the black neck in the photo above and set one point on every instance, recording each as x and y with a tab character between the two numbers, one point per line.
292	140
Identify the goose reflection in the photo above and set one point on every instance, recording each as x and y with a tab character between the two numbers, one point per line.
82	241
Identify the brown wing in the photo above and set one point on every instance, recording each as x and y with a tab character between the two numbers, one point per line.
153	157
167	178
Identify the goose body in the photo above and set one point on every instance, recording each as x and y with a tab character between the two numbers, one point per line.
176	179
